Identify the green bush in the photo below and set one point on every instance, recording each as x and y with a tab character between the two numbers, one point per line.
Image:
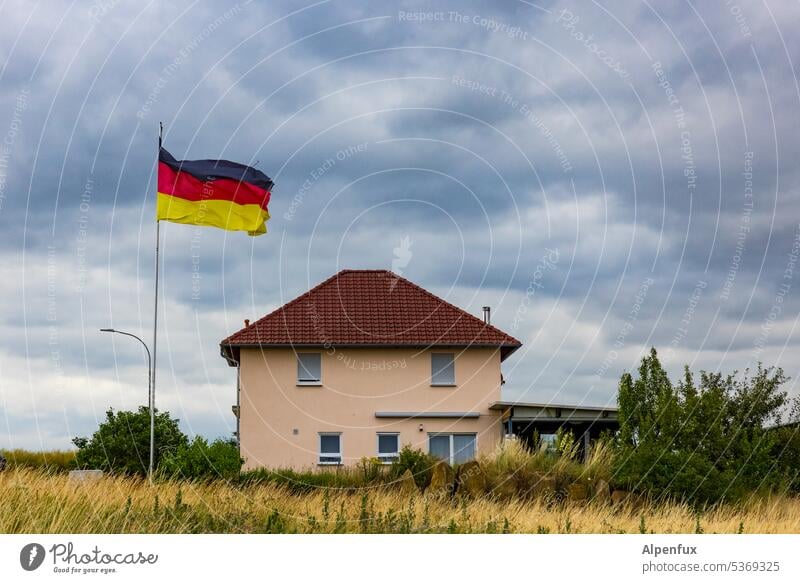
122	442
703	442
372	469
202	460
420	463
565	444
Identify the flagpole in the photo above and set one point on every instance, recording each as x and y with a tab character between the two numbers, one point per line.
155	338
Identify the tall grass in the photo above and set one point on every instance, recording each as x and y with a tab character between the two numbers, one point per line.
35	501
525	493
339	478
599	464
55	461
513	467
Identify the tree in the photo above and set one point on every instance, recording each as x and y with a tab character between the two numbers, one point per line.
787	447
700	442
122	442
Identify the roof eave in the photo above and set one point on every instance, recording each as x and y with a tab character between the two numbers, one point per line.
230	353
507	348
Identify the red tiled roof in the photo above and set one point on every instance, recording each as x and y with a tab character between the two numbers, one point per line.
370	307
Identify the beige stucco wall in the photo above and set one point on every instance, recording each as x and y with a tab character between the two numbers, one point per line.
280	422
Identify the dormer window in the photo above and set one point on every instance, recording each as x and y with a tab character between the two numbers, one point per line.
309	368
443	369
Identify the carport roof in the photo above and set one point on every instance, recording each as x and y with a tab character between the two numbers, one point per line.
502	405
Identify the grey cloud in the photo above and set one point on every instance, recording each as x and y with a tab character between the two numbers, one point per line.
592	166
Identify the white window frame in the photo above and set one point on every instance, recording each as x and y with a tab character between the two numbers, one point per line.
453	355
387	459
451	459
308	382
320	455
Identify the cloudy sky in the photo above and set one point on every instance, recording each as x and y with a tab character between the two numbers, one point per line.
607	176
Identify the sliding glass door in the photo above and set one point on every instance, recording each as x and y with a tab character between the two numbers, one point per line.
454	448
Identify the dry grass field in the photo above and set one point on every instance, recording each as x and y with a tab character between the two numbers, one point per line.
35	501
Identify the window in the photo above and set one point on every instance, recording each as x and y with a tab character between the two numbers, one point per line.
443	369
439	446
309	367
454	448
330	448
388	447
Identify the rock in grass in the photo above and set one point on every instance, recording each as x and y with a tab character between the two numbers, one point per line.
442	479
538	485
602	491
85	476
505	489
471	479
619	497
577	491
406	484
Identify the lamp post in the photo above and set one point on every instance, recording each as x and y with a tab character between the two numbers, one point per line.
150	395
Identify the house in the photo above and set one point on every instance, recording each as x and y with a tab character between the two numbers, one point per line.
363	364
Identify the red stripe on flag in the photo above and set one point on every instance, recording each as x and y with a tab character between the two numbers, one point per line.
186	186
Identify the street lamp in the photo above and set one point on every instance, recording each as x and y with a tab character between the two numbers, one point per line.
150	395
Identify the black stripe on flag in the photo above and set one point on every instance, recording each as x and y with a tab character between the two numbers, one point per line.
206	170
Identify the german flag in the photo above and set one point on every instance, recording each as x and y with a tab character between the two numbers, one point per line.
212	193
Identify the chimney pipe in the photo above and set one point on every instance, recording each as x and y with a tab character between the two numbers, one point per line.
246	323
487	315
